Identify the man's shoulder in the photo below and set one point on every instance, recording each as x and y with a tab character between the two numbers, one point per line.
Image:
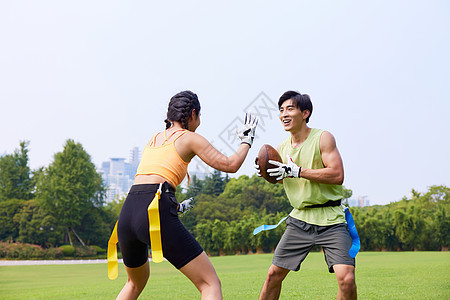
284	143
316	131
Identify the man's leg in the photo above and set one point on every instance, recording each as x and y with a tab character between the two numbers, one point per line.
272	286
345	275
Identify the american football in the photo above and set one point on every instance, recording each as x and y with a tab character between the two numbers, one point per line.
265	154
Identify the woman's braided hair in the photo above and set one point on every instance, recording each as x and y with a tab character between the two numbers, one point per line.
180	108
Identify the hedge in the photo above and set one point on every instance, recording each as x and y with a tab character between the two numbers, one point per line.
28	251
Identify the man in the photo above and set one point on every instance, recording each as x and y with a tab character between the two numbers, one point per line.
312	174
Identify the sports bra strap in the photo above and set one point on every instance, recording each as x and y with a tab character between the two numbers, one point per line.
153	140
183	131
152	143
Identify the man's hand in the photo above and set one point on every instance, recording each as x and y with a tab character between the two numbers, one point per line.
247	133
258	171
290	169
185	206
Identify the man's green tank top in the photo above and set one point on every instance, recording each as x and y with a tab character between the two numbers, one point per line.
302	192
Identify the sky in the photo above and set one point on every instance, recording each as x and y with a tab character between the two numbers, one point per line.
102	73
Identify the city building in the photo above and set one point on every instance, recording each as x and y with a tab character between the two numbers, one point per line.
360	202
118	174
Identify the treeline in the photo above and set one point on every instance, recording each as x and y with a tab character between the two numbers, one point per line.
419	222
226	212
56	205
63	204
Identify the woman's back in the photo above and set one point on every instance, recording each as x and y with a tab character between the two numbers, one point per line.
161	159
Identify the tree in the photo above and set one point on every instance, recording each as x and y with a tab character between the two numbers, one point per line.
9	230
70	186
96	226
195	187
218	235
441	228
214	184
347	195
36	226
15	175
203	234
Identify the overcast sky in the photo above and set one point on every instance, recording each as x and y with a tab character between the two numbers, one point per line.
102	73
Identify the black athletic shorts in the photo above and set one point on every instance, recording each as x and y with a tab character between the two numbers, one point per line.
178	244
300	237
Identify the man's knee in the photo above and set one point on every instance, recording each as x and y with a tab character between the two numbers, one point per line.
347	281
276	274
345	275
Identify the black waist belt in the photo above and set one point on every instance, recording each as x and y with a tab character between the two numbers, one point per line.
326	204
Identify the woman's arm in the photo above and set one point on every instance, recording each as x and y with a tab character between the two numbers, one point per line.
192	144
214	158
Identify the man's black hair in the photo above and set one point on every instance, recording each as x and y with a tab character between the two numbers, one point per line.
301	101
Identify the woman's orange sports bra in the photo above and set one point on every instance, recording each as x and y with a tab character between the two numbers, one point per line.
164	160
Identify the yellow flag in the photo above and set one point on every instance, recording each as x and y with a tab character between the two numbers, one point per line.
155	228
113	266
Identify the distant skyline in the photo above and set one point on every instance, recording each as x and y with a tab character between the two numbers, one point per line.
102	73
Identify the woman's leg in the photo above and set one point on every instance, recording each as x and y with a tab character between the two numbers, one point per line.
137	279
201	272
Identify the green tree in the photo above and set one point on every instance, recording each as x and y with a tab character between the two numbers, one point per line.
440	228
115	206
218	235
36	226
96	226
347	195
195	187
9	230
203	234
15	175
214	184
70	186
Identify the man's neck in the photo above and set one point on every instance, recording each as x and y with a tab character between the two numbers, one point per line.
299	136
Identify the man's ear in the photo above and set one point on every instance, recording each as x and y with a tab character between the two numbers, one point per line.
306	114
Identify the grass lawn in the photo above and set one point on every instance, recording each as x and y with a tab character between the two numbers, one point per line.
379	275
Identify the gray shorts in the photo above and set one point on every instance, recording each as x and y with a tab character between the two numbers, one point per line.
300	237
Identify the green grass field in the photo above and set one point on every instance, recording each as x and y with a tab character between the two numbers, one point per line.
379	275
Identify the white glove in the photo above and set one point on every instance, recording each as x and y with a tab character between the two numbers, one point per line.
258	171
247	134
290	169
185	206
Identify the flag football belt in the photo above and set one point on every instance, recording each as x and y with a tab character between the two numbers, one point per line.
326	204
155	237
356	244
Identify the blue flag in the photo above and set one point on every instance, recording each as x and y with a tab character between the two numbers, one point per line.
356	244
267	227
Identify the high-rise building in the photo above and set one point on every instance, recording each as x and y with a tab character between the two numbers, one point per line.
360	202
118	174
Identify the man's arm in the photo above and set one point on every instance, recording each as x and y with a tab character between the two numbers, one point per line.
333	171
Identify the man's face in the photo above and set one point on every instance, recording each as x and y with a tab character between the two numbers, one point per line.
291	116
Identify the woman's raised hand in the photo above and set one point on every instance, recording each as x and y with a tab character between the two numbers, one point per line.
247	134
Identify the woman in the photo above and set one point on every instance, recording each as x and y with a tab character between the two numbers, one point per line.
164	161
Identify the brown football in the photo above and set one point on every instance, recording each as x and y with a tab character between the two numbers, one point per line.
265	154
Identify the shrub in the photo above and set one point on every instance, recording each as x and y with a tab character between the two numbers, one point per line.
99	250
52	253
85	251
27	251
67	250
